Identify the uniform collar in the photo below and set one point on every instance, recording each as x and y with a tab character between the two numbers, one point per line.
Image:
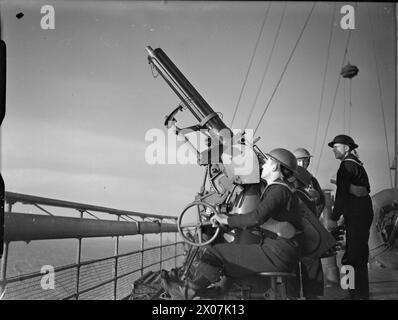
347	155
280	181
351	157
276	181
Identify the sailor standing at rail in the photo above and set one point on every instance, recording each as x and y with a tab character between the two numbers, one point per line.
270	253
354	203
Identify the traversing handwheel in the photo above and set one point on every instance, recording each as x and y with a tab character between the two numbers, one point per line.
192	231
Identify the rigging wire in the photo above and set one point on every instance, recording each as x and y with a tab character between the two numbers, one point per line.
380	94
334	100
324	79
349	105
266	68
350	109
285	68
344	106
251	62
330	115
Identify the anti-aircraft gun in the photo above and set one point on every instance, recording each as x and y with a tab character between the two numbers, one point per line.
232	161
232	190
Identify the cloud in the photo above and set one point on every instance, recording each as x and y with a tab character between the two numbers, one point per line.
142	195
38	144
58	161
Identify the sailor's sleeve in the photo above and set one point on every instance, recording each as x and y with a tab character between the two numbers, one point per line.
344	175
274	200
317	187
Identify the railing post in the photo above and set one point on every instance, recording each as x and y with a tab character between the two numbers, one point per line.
175	250
78	260
3	275
161	245
142	252
116	263
4	259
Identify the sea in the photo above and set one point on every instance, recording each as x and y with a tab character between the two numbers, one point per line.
30	257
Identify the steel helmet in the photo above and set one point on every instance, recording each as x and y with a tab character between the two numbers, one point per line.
301	153
284	157
344	139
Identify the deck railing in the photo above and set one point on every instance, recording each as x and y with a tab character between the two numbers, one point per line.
106	278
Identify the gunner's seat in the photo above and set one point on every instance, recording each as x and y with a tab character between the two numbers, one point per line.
275	285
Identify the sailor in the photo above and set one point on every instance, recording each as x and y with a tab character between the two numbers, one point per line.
352	200
316	242
303	157
311	197
272	252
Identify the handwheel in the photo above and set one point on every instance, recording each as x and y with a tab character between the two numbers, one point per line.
201	221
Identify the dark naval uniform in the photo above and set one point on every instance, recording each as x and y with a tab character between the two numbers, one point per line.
275	249
316	193
316	239
354	203
311	267
316	242
308	183
268	253
273	253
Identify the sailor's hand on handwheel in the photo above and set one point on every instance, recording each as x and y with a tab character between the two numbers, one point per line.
214	222
221	219
209	211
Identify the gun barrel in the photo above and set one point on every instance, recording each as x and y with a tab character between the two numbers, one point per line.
150	52
185	91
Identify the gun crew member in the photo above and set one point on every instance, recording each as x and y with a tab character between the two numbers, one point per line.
303	157
270	253
354	203
317	241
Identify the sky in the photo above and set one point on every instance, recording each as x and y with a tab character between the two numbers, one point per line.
81	97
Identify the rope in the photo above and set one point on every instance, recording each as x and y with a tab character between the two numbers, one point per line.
324	79
349	109
251	62
287	64
380	94
266	68
345	105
